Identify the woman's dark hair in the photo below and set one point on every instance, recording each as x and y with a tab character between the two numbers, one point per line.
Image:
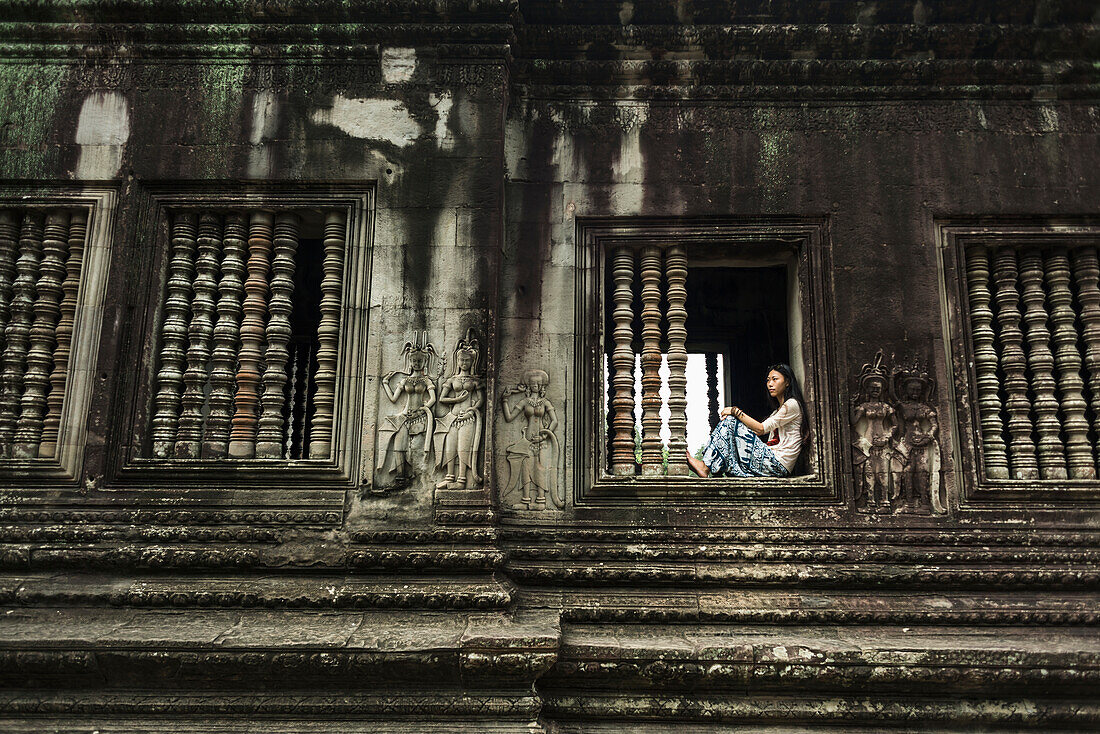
793	391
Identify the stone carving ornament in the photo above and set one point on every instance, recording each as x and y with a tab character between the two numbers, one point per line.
417	419
918	441
874	458
457	434
533	460
896	450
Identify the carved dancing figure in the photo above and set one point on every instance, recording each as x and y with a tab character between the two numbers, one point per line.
874	458
919	443
533	461
417	419
458	433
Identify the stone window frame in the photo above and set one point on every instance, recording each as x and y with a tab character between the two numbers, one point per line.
321	482
101	201
977	489
809	237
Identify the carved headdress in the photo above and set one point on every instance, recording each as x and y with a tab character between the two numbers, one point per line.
873	370
914	373
419	345
467	345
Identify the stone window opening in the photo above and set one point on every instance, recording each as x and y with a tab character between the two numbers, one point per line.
1031	329
54	262
248	340
41	258
692	330
681	297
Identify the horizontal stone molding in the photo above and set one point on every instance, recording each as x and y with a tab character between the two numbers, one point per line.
285	592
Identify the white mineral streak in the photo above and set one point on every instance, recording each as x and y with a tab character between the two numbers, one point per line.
443	104
265	124
371	119
398	65
102	130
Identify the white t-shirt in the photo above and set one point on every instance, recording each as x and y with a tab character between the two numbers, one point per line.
788	421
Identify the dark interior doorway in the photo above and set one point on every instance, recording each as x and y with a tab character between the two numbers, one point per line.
741	311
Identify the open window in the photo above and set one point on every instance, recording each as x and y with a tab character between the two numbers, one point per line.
688	318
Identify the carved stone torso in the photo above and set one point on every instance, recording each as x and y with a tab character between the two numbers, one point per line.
918	420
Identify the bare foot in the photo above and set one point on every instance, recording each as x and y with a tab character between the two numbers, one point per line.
697	466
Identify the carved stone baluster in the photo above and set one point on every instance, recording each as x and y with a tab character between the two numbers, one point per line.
1086	272
1022	456
292	405
242	434
269	441
985	363
652	454
328	337
305	426
676	273
177	312
713	408
43	337
622	364
1040	360
200	332
1013	361
18	331
227	336
9	249
1067	361
51	427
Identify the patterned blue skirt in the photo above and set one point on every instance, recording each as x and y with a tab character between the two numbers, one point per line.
735	451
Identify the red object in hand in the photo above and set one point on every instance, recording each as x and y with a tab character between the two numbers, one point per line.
774	438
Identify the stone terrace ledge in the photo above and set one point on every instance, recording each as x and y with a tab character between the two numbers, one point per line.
853	675
67	666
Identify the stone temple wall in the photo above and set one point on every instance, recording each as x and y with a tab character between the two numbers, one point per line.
304	308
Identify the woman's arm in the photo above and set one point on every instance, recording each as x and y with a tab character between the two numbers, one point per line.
754	425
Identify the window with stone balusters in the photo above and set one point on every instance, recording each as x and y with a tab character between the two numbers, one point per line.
257	304
248	343
52	274
690	316
1029	306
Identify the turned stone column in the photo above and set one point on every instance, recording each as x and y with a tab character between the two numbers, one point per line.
994	451
1040	362
622	363
43	337
1086	274
328	336
676	273
227	337
269	442
652	454
1067	362
200	333
245	424
74	258
1013	362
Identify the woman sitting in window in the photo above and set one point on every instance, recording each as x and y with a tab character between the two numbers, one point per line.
736	447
